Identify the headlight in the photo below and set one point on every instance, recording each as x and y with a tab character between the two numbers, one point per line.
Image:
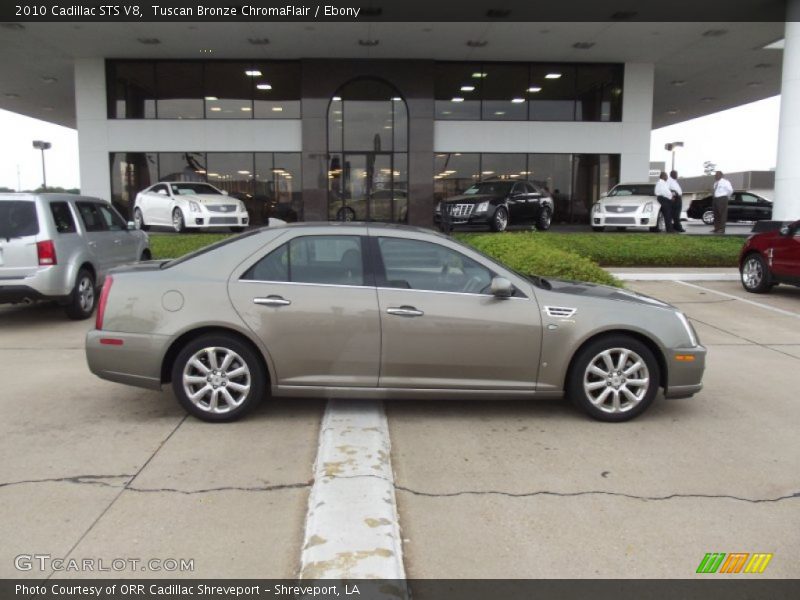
482	207
688	327
597	207
648	207
194	206
242	206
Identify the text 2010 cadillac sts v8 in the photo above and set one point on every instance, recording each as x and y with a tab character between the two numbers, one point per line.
381	311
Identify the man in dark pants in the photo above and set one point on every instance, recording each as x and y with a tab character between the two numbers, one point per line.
677	201
723	190
664	197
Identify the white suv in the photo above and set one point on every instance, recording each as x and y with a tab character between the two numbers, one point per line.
188	205
629	205
60	247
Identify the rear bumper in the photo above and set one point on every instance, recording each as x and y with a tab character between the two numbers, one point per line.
685	377
129	358
15	294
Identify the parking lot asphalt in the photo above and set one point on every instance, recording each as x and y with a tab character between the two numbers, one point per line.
483	489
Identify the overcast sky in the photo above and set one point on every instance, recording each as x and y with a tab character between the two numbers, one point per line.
739	139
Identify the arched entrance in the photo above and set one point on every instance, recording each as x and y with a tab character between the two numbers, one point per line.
367	152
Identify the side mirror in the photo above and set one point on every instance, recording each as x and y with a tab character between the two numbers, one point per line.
162	192
786	230
604	195
131	225
502	287
224	192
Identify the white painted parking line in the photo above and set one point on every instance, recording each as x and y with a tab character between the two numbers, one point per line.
667	276
352	529
774	309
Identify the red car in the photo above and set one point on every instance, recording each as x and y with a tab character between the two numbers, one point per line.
770	258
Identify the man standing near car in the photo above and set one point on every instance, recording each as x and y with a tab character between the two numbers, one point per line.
677	201
664	197
722	193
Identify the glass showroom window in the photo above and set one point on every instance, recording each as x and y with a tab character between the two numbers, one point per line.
458	91
131	172
504	166
553	172
181	166
131	89
276	90
552	92
228	90
454	172
277	187
367	149
505	92
180	90
599	93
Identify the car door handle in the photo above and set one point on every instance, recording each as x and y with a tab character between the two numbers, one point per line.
118	241
404	311
272	301
93	244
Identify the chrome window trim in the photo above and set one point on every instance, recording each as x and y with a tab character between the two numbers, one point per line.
336	285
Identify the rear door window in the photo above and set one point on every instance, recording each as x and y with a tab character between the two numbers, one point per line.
113	221
62	217
91	217
18	218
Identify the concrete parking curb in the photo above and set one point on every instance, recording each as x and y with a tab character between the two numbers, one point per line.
352	529
674	276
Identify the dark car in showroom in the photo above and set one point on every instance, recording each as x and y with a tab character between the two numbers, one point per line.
770	258
496	204
743	206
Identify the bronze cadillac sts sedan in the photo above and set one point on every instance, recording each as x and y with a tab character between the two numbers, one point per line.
381	311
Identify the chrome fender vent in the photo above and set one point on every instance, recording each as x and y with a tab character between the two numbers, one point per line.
560	312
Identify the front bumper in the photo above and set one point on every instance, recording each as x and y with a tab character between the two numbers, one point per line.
129	358
685	368
481	220
211	220
633	219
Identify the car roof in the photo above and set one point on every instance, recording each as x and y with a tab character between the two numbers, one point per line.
333	225
49	196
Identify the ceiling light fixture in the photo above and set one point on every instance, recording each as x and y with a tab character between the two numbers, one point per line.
337	98
211	98
258	41
11	95
477	43
714	32
534	89
13	26
467	88
763	66
277	109
672	111
253	73
148	41
243	172
582	45
479	75
754	84
48	79
457	99
245	109
368	43
215	108
707	99
678	82
518	100
553	76
264	86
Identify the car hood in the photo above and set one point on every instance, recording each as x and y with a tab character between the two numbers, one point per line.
210	198
634	200
471	199
606	292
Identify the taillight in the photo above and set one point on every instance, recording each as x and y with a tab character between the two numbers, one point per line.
47	252
101	304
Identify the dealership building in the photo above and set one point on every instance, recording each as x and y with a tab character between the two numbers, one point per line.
380	121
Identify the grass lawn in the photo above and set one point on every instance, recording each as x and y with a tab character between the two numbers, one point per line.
563	255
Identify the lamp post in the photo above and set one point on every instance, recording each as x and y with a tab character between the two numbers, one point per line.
671	148
40	145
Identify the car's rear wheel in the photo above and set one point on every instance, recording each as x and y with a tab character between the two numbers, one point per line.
545	219
755	274
500	219
146	255
661	224
138	220
614	378
346	214
217	377
82	299
708	217
178	224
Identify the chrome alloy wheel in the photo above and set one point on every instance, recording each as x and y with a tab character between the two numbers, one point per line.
216	380
752	273
86	294
501	219
616	380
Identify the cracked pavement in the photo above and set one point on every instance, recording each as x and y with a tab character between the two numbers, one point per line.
484	489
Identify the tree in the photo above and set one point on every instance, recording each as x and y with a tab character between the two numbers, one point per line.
709	167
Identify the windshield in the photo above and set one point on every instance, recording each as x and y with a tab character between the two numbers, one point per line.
18	219
193	188
493	188
634	190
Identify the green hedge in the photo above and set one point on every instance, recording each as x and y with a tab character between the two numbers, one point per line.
174	245
532	254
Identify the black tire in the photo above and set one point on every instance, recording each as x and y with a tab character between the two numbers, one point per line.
755	275
245	356
237	229
598	229
83	297
178	222
707	217
138	220
500	219
545	219
661	224
146	255
590	354
346	214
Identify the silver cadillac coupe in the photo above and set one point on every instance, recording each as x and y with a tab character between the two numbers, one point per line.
381	311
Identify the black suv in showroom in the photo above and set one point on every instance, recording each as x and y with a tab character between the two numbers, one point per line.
496	204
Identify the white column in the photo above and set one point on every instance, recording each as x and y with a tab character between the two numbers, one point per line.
637	121
787	171
92	123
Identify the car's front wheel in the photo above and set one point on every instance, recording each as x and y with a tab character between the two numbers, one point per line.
138	220
661	224
708	217
545	219
346	214
755	275
178	223
82	299
614	378
217	377
500	219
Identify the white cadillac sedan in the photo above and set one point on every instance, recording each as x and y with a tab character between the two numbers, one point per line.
629	205
188	205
